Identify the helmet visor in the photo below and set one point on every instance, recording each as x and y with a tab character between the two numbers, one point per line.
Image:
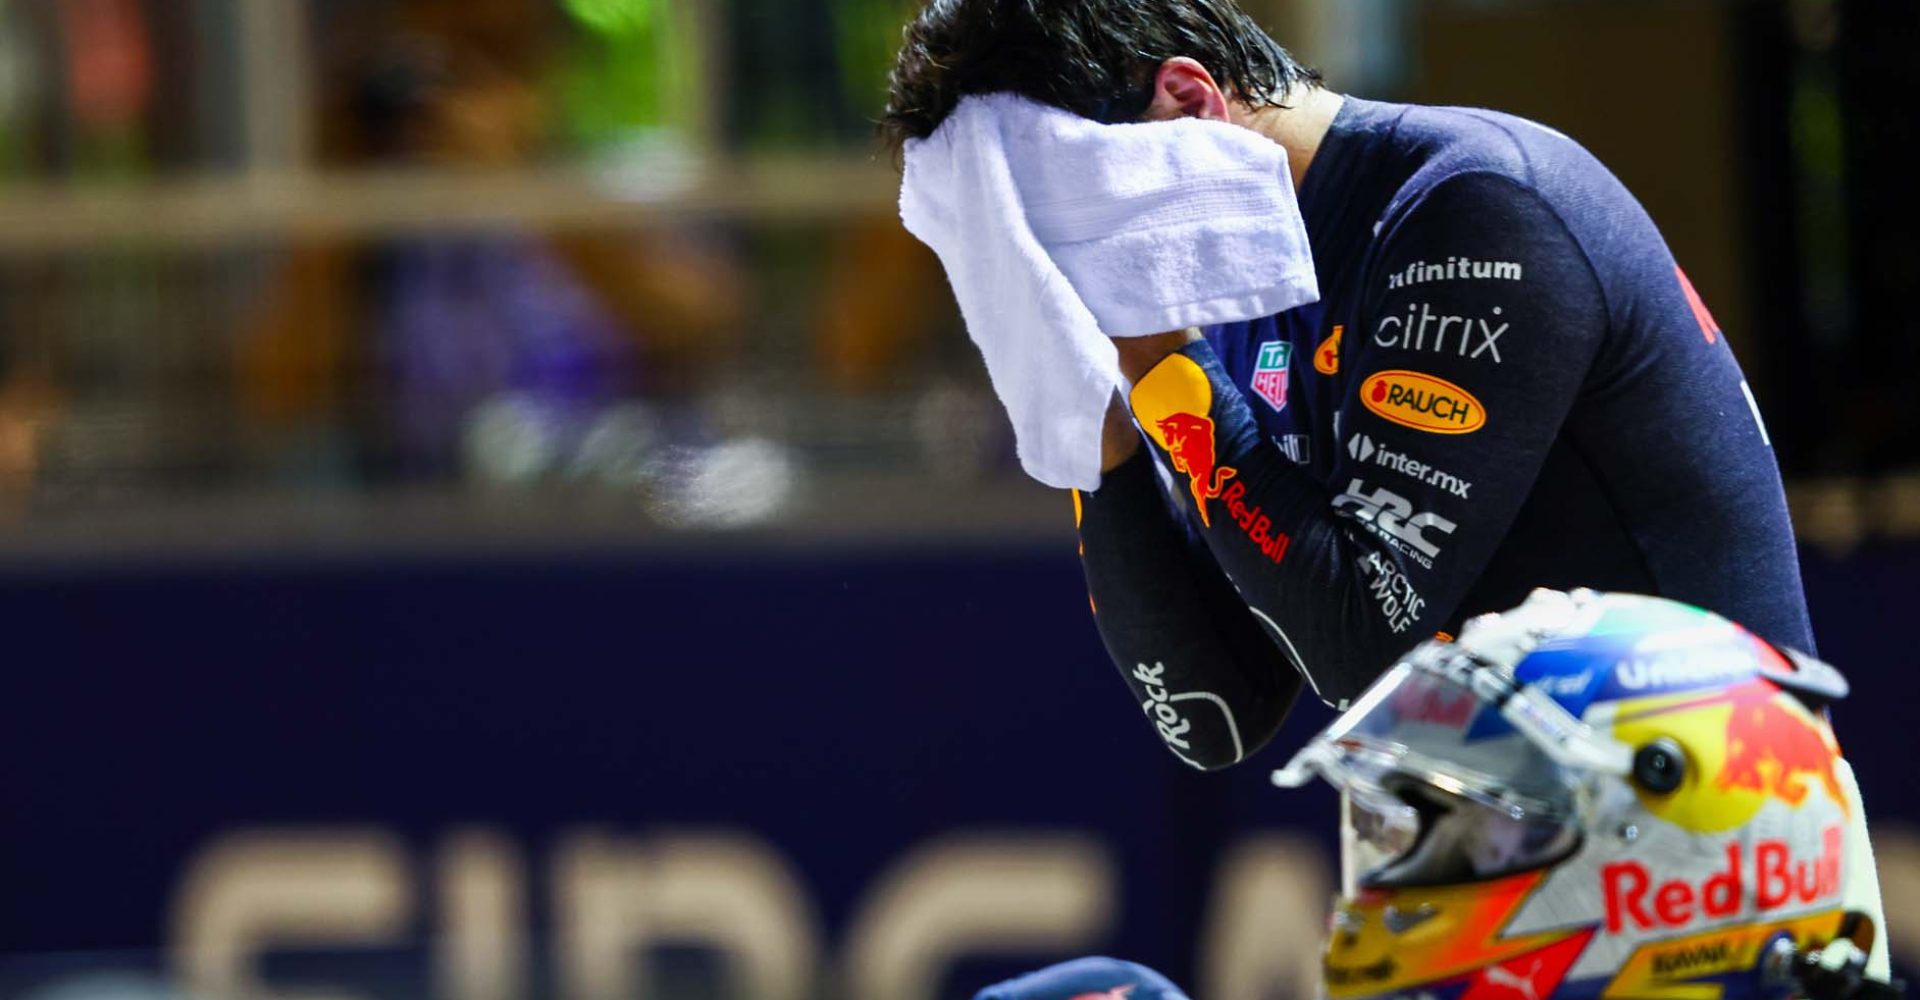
1423	837
1456	773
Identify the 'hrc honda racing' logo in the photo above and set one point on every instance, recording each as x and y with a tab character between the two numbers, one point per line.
1190	445
1392	517
1423	402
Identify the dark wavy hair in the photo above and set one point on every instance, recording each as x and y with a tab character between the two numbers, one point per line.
1095	58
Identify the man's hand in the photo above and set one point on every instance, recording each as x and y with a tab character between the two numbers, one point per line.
1138	356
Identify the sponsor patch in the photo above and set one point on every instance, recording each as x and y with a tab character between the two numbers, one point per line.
1425	331
1191	448
1326	357
1455	269
1171	403
1400	604
1658	965
1664	671
1422	402
1685	961
1173	725
1297	447
1255	524
1365	451
1270	373
1391	517
1164	707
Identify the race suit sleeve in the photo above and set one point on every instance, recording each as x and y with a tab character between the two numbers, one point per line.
1480	318
1209	680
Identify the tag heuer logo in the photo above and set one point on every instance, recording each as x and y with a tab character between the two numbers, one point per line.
1270	374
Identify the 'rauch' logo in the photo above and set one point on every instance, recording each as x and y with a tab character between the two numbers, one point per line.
1270	374
1423	403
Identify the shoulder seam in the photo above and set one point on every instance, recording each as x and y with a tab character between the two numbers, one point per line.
1527	188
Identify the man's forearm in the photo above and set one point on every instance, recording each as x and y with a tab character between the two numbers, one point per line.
1335	596
1211	683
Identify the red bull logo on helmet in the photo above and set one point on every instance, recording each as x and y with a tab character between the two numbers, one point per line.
1747	745
1772	750
1767	878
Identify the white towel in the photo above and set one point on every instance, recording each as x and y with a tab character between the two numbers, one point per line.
1058	232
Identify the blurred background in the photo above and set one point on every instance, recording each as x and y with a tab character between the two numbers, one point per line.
492	503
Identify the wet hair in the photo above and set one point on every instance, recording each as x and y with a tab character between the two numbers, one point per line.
1095	58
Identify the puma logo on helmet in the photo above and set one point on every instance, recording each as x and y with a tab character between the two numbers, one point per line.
1520	983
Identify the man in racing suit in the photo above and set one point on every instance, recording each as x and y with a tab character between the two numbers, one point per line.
1508	383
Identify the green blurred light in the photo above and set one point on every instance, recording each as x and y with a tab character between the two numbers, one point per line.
612	17
869	37
634	69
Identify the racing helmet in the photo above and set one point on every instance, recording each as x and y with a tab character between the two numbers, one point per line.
1598	795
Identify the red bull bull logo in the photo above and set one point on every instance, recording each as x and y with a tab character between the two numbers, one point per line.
1751	744
1190	445
1171	404
1774	750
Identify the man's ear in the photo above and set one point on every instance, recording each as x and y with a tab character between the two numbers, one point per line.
1182	88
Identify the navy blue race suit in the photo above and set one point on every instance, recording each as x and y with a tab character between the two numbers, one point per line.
1509	383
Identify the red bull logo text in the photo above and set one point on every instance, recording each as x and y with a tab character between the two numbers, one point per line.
1255	524
1770	880
1773	750
1190	445
1434	705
